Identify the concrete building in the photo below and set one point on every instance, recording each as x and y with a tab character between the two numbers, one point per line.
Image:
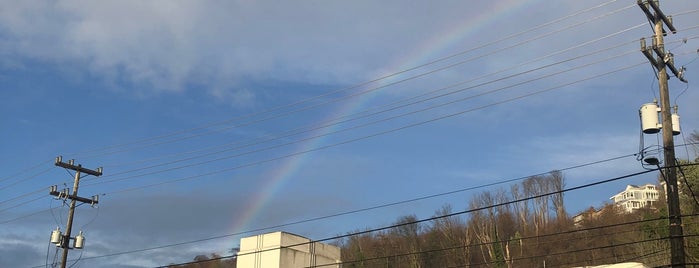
636	197
285	250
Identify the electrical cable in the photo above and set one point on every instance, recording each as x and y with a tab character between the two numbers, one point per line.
291	142
237	155
77	260
394	256
25	179
23	171
331	123
24	216
22	196
48	250
386	205
362	114
463	246
630	259
71	174
553	22
684	177
21	204
421	198
371	89
682	92
58	223
368	136
582	250
422	220
477	209
486	243
427	219
603	37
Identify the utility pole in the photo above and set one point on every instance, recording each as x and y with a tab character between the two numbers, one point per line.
661	60
63	241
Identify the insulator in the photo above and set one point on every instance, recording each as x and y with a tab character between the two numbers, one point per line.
56	236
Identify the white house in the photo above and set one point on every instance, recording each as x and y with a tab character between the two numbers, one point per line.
636	197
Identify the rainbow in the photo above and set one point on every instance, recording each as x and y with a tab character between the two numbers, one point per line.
428	50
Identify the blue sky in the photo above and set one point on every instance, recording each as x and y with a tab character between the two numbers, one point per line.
213	118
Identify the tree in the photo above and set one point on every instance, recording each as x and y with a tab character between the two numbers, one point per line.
448	232
408	234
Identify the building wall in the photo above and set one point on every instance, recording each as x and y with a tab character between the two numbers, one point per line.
285	250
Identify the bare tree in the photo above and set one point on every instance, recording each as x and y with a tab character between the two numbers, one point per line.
408	232
450	232
557	184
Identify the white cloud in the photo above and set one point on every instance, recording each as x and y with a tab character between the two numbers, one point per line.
166	45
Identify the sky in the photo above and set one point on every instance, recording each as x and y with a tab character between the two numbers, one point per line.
216	120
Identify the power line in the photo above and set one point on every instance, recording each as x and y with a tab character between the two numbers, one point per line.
431	218
363	114
461	212
179	160
355	119
363	137
504	241
475	245
354	139
499	40
404	71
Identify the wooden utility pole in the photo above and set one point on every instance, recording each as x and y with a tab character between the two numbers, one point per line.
65	240
660	61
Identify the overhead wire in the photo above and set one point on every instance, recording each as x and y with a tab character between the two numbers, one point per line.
611	12
487	44
351	140
328	133
23	171
132	189
346	262
196	164
24	179
502	39
383	205
447	215
297	153
480	56
392	106
361	210
500	241
354	139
